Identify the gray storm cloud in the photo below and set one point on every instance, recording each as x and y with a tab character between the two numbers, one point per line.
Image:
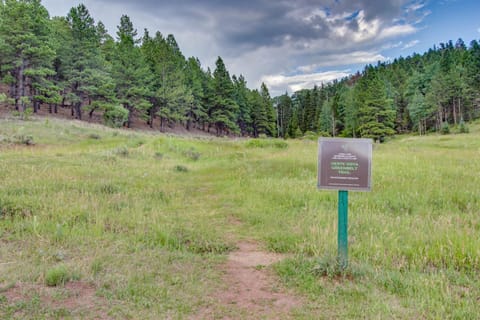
264	39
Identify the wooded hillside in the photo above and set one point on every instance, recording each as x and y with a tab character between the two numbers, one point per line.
73	63
419	93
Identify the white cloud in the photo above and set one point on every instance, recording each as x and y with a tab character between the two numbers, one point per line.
359	57
411	44
415	7
302	81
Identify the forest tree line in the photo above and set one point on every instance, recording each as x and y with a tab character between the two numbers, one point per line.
419	93
72	62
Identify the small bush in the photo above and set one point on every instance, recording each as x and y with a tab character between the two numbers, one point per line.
445	129
23	115
327	267
158	155
192	154
108	188
57	276
115	116
94	136
180	168
23	139
462	127
310	135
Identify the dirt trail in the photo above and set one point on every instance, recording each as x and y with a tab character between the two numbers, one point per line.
251	290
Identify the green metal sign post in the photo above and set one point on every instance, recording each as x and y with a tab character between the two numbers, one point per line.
344	164
343	229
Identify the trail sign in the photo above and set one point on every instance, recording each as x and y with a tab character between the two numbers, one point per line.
344	164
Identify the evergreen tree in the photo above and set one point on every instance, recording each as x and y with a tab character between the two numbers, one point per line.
284	114
132	75
88	79
375	111
170	96
26	55
267	104
196	111
258	114
224	108
241	95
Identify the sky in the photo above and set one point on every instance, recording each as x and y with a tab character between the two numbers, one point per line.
292	45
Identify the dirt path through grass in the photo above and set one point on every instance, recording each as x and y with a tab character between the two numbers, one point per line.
251	290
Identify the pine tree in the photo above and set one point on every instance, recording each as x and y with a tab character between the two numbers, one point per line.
375	112
258	114
170	95
26	55
270	126
132	75
224	109
196	111
241	93
87	76
284	114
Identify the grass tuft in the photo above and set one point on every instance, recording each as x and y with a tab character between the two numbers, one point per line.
57	276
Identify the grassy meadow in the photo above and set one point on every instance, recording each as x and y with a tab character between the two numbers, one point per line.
147	219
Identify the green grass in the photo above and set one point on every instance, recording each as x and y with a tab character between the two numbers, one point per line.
147	219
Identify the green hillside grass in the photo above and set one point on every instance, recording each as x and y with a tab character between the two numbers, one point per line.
147	219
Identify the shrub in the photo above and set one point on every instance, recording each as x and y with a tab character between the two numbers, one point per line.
180	168
445	129
57	276
192	154
94	136
115	116
463	128
108	188
24	139
25	115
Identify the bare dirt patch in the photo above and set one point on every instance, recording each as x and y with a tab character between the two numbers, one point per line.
76	297
251	289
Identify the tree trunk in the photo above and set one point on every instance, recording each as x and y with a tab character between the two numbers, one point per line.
78	110
21	89
90	114
454	112
36	106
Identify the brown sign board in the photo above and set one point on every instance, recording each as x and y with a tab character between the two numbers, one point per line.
344	164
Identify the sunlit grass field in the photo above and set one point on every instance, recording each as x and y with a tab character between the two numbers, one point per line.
147	219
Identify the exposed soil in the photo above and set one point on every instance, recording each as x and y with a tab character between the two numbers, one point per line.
76	297
251	290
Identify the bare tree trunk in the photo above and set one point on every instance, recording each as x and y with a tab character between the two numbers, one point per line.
454	112
21	89
78	110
